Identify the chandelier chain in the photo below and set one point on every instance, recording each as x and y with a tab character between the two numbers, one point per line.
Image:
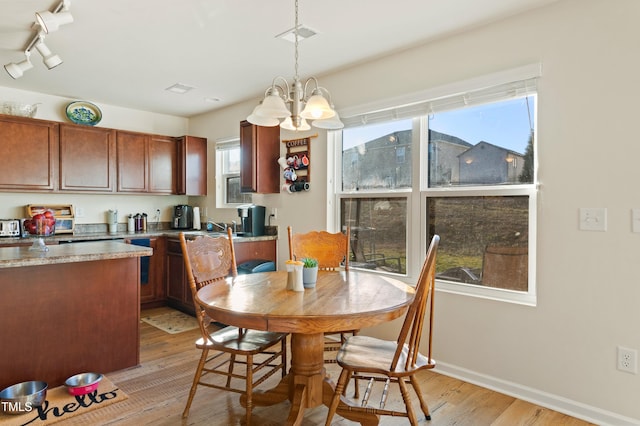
295	32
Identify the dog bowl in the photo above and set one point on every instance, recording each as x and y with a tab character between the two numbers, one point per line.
83	383
23	397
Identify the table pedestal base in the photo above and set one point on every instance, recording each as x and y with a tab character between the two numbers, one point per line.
307	384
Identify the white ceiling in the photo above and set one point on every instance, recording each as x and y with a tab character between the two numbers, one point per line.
127	52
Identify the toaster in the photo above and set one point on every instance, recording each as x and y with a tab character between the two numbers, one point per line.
10	228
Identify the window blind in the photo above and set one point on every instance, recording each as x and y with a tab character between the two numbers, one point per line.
496	87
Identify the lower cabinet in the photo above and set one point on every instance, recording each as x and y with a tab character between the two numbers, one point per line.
152	288
178	291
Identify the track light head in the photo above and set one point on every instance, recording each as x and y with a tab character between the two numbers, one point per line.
49	59
16	70
51	21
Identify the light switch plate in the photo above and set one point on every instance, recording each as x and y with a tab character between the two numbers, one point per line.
593	219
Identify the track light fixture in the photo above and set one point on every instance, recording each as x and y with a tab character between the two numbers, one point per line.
16	70
295	104
46	22
49	59
51	21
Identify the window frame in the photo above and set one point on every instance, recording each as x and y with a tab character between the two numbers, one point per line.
420	105
221	178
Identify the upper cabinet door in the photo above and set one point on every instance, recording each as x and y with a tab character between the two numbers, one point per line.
192	165
259	151
87	158
133	156
163	154
29	154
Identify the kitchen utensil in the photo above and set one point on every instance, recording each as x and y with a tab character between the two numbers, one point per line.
23	397
112	221
196	218
83	383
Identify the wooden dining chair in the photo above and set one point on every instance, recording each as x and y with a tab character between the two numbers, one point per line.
331	250
208	261
383	361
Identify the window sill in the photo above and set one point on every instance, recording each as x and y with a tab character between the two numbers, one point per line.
498	294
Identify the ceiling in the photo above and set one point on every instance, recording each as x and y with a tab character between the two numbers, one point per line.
126	53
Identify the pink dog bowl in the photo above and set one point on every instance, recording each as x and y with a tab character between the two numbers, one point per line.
83	383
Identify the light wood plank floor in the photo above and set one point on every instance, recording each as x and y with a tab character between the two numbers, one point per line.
158	390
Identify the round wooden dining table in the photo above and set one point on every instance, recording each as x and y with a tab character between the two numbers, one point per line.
341	300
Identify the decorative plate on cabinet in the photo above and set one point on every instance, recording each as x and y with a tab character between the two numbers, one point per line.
81	112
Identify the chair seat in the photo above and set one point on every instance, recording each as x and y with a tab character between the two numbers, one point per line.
371	355
250	341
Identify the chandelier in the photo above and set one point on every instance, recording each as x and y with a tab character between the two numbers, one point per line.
296	103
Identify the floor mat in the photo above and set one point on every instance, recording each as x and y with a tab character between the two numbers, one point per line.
60	405
172	322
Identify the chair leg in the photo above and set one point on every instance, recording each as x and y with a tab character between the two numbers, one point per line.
342	381
356	388
423	404
232	362
196	380
284	357
407	402
249	389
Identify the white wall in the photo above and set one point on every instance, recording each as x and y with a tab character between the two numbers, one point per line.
562	352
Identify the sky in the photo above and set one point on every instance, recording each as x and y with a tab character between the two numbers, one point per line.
505	124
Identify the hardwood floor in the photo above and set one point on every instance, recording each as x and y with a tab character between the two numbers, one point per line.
158	390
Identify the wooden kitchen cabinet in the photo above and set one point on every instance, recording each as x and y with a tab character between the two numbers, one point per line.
146	163
192	165
178	291
259	150
30	154
87	158
152	271
132	162
255	250
163	170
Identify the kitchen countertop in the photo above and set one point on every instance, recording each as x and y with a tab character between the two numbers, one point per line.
99	236
12	257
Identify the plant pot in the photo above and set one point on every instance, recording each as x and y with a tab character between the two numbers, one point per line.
309	277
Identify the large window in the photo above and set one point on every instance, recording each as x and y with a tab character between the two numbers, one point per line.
228	175
475	187
376	161
483	157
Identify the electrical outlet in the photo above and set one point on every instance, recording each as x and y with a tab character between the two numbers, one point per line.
627	360
79	212
274	212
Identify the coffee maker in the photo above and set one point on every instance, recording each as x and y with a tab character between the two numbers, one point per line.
182	217
252	219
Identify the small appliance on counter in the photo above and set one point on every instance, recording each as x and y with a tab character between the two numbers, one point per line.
182	217
112	221
10	228
252	219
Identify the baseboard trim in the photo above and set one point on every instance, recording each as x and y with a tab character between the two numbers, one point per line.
535	396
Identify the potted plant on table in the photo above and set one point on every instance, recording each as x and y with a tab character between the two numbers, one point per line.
309	272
